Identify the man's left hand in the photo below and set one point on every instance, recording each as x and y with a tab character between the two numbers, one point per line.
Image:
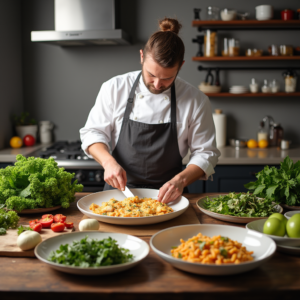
170	191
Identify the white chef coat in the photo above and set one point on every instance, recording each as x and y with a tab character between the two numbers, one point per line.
195	127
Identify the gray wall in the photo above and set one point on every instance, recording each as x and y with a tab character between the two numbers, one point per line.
11	93
61	84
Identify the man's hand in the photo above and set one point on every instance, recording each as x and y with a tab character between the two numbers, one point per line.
170	190
115	175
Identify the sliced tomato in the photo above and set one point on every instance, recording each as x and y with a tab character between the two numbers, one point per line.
46	222
69	225
36	227
59	218
32	222
58	227
47	216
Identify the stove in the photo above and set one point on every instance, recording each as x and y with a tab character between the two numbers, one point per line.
70	156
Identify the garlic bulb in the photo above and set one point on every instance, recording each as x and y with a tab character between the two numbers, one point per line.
28	240
88	224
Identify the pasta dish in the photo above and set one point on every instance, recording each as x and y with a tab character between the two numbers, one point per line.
131	207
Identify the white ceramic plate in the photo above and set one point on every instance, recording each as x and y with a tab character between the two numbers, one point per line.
163	241
227	218
179	206
38	210
289	250
137	247
289	214
258	226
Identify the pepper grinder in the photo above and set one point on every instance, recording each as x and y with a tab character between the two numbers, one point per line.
197	13
200	41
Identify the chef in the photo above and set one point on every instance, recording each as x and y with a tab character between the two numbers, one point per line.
151	118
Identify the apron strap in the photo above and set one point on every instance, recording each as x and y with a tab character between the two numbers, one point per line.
130	99
173	106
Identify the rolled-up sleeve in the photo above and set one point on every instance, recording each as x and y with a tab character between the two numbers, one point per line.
99	124
201	139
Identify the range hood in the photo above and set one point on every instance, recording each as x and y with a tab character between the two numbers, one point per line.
84	22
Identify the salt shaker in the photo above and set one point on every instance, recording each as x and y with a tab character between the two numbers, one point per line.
46	132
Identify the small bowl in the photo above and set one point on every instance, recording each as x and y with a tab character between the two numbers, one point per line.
238	143
289	214
228	15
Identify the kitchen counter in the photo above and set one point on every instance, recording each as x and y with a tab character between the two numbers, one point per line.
153	278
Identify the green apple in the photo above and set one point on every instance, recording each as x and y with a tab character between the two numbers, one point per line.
274	227
293	226
280	217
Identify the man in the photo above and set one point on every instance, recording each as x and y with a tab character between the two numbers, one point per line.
151	119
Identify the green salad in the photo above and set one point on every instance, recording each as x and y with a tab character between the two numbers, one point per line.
240	205
91	253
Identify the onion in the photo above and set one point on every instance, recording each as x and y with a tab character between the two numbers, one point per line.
28	240
88	224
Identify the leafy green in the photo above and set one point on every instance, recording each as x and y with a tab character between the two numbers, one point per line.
21	229
35	183
2	231
8	219
91	253
279	185
223	252
240	205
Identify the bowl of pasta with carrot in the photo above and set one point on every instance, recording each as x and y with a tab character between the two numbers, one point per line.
210	249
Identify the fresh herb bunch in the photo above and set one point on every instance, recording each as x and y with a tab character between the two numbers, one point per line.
91	253
2	231
24	119
36	182
279	185
240	205
8	219
21	229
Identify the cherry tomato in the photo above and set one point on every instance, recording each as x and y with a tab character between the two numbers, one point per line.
32	222
46	222
59	218
36	227
69	225
58	227
28	140
47	216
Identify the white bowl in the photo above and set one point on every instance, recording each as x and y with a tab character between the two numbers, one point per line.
179	206
137	247
264	12
228	15
263	247
289	214
258	226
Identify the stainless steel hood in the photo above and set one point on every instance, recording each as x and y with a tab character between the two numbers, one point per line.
84	22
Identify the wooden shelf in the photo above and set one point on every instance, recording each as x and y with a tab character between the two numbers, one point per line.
245	58
281	94
247	24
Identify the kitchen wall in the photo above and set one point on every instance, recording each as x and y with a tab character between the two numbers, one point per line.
61	84
11	93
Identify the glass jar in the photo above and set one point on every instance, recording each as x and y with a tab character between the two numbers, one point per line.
286	50
290	81
274	86
234	47
225	51
213	13
265	88
262	133
276	135
273	50
253	86
210	43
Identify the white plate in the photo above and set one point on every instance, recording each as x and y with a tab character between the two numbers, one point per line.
227	218
137	247
285	240
289	214
289	250
179	206
163	241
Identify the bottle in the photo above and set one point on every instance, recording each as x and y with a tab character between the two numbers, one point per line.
276	135
265	88
210	43
46	132
220	125
274	86
262	133
253	86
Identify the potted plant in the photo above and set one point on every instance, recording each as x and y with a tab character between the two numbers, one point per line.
24	125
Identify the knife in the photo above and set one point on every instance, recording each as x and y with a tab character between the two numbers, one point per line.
127	192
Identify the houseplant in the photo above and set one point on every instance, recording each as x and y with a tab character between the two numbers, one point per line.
24	125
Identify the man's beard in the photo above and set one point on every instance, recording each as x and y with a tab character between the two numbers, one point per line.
151	87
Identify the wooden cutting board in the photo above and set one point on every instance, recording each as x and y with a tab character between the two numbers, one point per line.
8	242
188	217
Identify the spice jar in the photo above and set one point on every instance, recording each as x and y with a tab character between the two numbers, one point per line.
265	88
286	50
225	51
290	80
210	43
234	47
274	86
213	13
276	134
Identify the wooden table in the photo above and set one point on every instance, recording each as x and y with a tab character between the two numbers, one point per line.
153	278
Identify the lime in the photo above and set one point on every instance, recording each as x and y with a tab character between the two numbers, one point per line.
274	227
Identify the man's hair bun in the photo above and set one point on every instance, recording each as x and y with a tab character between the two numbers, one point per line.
168	24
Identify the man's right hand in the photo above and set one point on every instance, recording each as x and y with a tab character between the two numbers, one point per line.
115	175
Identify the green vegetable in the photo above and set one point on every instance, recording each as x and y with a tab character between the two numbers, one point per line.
279	185
8	219
179	255
91	253
21	229
223	252
2	231
174	247
241	205
36	182
202	245
224	238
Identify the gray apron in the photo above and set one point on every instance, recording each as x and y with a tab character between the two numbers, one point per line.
149	153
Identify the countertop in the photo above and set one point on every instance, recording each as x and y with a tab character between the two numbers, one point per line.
153	278
229	155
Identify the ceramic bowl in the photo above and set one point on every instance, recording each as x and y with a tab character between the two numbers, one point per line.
228	15
289	214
